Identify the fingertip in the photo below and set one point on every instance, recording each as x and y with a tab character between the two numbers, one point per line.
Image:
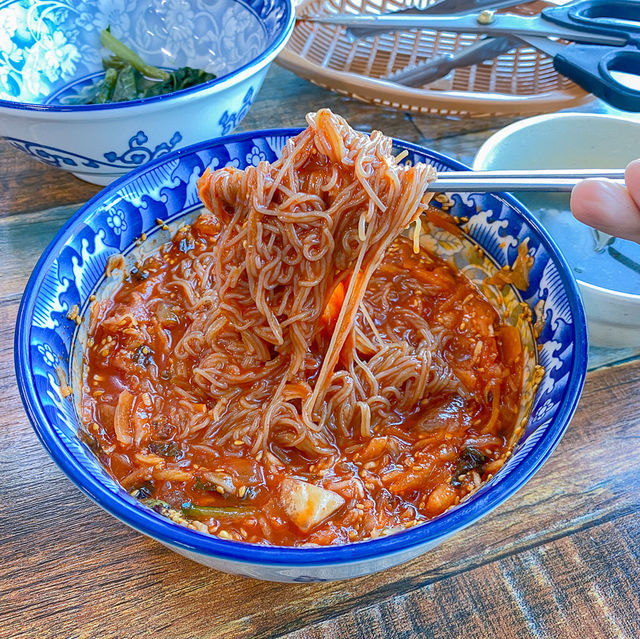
585	202
608	206
632	180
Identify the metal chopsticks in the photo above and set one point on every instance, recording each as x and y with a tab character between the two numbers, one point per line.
561	180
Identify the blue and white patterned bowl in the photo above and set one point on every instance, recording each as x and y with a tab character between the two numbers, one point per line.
73	267
50	52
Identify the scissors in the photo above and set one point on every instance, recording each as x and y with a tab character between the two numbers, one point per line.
606	62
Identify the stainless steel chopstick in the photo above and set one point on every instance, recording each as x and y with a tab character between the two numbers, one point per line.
502	184
560	180
577	174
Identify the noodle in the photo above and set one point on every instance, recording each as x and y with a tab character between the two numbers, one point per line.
271	370
299	244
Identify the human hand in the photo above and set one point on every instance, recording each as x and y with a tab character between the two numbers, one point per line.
608	206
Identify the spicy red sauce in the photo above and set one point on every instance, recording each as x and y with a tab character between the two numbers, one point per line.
409	470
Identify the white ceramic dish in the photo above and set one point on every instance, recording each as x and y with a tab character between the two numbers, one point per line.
50	52
610	290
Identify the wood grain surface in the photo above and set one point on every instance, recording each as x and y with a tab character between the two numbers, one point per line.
560	559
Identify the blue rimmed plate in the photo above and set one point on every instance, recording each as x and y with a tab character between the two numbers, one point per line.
73	266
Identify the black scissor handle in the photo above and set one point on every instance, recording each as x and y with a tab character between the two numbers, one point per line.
594	67
608	17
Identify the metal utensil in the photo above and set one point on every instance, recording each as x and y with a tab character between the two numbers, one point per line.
613	25
514	174
498	181
444	7
431	70
497	25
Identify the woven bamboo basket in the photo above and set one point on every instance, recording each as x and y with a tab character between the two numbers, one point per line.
522	81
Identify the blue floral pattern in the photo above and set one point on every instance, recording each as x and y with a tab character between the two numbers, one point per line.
229	121
117	221
47	44
255	156
48	356
137	153
165	191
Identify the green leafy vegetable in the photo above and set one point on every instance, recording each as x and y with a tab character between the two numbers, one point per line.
470	459
106	87
128	77
166	449
156	504
125	88
204	485
123	52
226	512
183	78
113	62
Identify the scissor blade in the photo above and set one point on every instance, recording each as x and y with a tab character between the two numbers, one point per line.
502	25
452	7
483	49
444	7
551	47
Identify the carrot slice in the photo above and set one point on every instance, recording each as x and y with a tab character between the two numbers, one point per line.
442	221
511	344
332	310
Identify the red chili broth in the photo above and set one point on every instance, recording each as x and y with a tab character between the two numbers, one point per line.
412	469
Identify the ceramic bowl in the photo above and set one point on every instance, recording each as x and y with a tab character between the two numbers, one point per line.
73	268
608	271
50	53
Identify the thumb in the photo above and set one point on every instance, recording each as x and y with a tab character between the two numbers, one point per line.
608	206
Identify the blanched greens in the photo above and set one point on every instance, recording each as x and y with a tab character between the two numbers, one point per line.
128	77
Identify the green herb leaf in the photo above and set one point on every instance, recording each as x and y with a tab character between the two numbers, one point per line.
171	450
126	88
128	77
182	78
470	459
121	50
104	89
226	512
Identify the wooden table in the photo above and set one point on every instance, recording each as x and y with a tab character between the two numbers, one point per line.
560	559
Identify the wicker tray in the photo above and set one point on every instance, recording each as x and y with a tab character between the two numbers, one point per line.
519	82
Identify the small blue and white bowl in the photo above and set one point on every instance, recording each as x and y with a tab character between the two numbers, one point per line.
50	53
73	268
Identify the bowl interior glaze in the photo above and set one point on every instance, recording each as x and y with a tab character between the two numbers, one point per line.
73	267
50	52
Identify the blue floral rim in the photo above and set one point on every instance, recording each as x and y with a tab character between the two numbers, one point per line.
287	27
165	531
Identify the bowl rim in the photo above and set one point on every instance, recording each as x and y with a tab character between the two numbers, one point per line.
498	138
237	74
164	530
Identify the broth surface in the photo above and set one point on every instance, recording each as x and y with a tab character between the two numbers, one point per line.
416	462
